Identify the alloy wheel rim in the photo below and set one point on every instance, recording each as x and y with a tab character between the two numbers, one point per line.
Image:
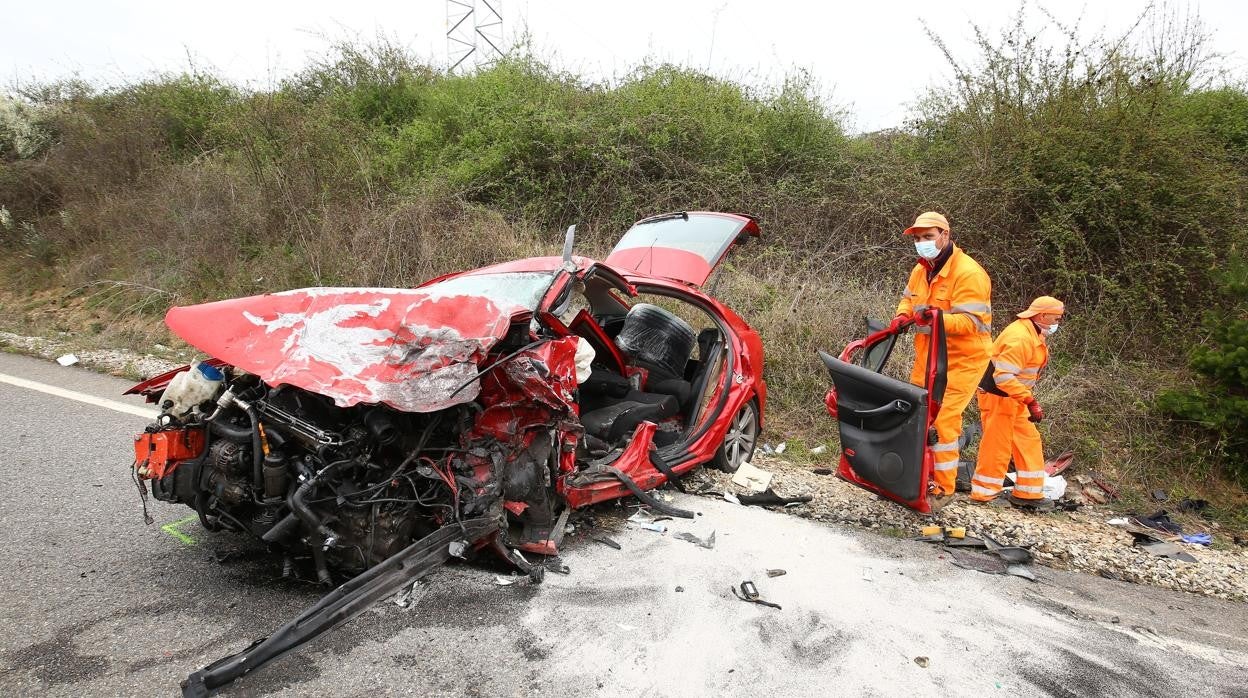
741	436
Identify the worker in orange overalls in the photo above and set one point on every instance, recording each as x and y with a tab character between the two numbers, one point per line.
947	278
1009	409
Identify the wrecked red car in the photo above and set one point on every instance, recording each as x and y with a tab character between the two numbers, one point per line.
382	431
885	423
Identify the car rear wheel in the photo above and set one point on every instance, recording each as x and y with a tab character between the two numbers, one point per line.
739	442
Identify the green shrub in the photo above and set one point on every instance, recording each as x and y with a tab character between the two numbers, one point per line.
1220	403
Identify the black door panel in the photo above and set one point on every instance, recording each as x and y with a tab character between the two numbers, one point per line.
886	446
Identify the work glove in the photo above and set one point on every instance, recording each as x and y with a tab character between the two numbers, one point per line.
1033	407
901	319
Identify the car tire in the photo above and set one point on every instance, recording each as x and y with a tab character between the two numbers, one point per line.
739	442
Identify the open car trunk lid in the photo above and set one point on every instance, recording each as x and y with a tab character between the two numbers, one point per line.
684	246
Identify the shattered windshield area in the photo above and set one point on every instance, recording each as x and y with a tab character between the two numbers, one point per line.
505	289
705	236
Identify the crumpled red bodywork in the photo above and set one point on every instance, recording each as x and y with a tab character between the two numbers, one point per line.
409	349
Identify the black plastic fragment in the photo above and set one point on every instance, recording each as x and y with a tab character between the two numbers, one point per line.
340	605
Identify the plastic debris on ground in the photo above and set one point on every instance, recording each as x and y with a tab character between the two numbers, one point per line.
749	592
708	543
977	561
818	450
555	565
67	360
776	573
866	574
1197	505
407	595
995	558
1054	487
1021	571
752	478
780	447
769	498
640	520
1197	538
1170	550
922	661
1055	466
730	497
607	542
505	581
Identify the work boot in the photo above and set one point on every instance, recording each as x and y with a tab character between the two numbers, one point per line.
963	481
1037	505
937	501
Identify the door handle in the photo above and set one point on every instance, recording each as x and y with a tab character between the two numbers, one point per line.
896	406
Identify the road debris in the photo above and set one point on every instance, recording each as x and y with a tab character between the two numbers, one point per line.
558	567
1197	538
1054	487
708	543
752	478
1069	541
640	520
607	542
921	661
1196	505
818	450
776	573
1021	571
769	498
1055	466
503	581
67	360
977	561
749	593
1167	549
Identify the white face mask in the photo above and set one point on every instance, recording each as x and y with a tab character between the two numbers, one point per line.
1051	329
927	249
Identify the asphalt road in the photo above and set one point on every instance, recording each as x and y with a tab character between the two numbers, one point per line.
94	602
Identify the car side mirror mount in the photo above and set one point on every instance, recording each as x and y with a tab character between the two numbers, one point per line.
568	239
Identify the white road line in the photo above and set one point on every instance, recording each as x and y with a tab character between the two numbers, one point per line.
80	397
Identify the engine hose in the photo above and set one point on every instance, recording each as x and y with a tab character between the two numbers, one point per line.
647	498
306	515
281	530
204	521
231	433
257	449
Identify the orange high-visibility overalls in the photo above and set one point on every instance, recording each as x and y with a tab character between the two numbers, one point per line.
1018	356
962	289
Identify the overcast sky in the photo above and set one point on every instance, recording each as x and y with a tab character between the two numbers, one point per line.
871	57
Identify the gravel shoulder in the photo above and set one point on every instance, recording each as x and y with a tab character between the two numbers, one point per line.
1081	541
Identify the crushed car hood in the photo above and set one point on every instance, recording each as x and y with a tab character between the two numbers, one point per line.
409	349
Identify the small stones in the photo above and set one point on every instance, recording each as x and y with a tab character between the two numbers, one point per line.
1084	542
